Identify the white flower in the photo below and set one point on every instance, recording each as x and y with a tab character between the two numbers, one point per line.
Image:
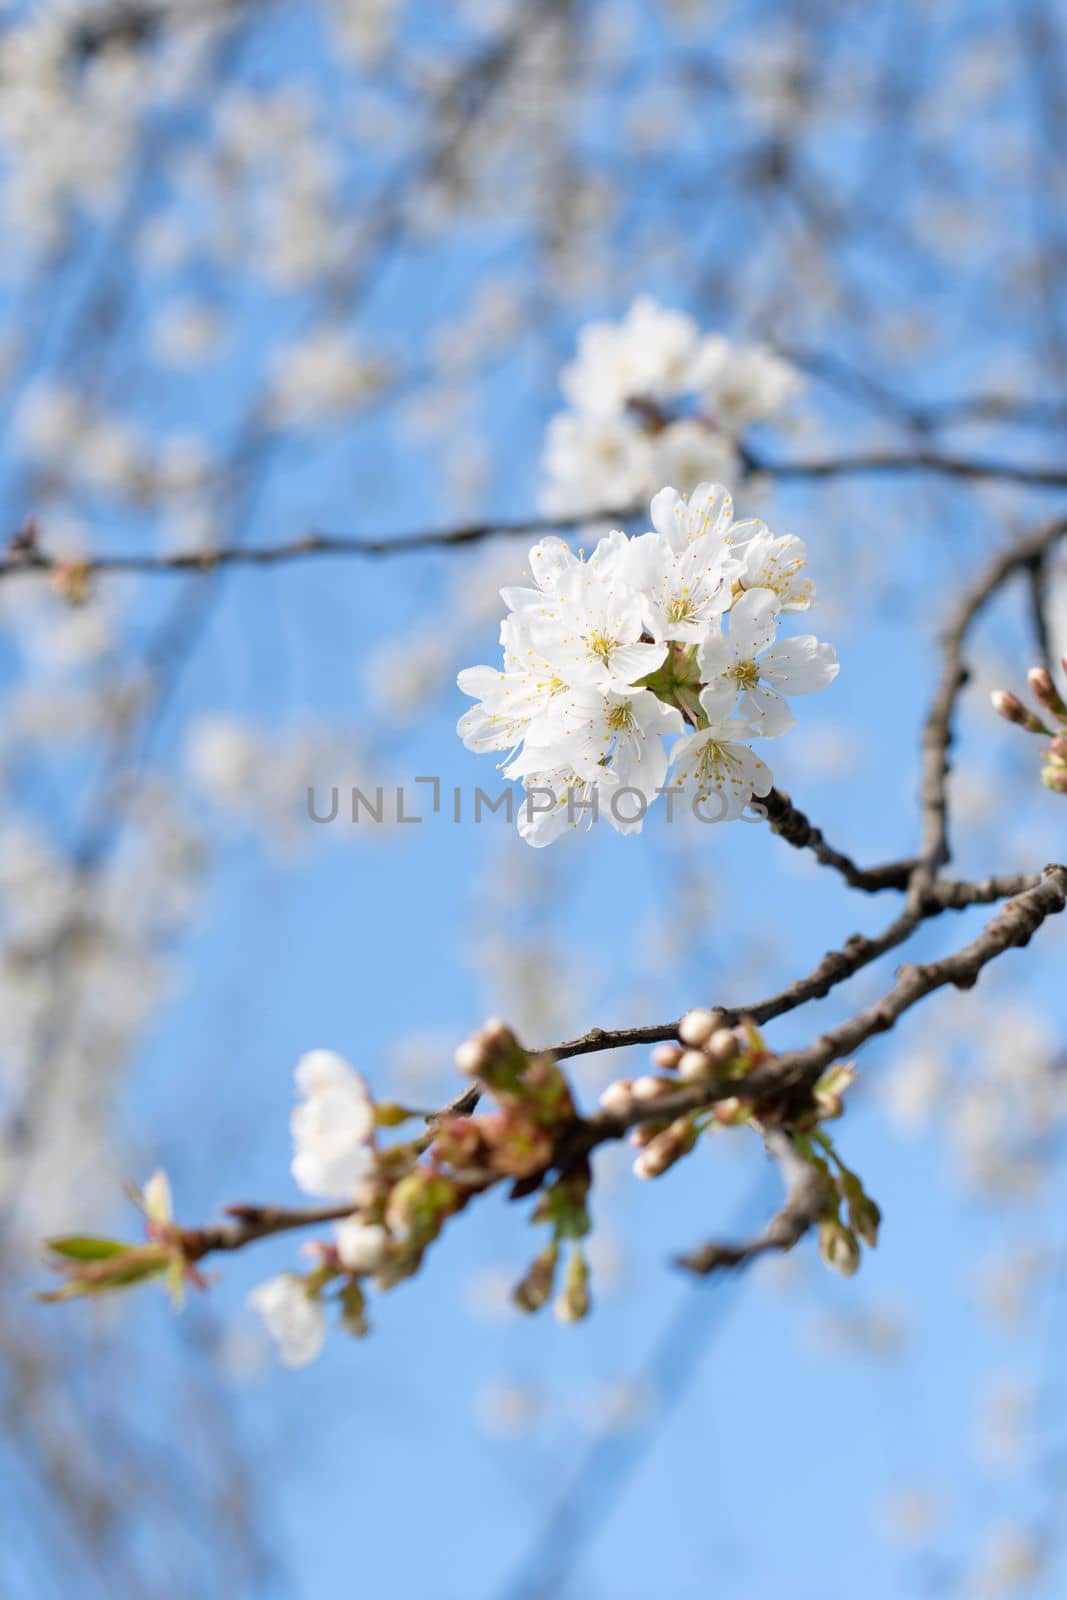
688	452
647	356
510	700
321	376
558	799
742	384
601	737
362	1246
593	464
156	1198
683	570
742	662
333	1129
589	629
293	1317
719	774
770	563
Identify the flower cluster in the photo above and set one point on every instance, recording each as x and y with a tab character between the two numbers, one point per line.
1047	695
652	400
672	633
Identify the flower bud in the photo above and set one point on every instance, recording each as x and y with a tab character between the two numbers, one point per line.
354	1311
649	1088
1045	691
533	1291
864	1218
1057	748
1055	778
697	1027
618	1098
723	1047
839	1247
1011	708
645	1132
666	1057
1008	706
361	1246
666	1148
573	1304
493	1055
695	1064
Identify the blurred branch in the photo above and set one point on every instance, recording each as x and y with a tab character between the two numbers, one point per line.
806	1193
27	556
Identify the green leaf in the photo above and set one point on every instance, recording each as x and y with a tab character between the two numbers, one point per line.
122	1278
80	1248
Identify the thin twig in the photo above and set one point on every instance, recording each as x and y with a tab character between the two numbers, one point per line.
806	1195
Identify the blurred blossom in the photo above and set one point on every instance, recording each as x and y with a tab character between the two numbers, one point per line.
507	1410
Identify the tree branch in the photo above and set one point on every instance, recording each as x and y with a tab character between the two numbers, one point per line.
806	1196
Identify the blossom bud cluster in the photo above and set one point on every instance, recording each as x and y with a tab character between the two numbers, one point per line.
709	1051
668	635
652	400
1054	712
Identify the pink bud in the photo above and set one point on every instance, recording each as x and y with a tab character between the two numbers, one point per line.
1008	706
1045	691
723	1047
696	1027
617	1097
695	1064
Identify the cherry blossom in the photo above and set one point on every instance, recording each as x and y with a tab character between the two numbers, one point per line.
333	1126
606	657
743	661
294	1318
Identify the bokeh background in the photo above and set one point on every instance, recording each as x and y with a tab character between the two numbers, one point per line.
280	266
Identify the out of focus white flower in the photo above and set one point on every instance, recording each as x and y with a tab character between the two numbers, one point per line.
294	1318
647	356
186	333
1011	1559
49	419
333	1126
594	463
742	384
913	1089
909	1515
507	1409
651	401
687	452
223	756
320	377
362	1246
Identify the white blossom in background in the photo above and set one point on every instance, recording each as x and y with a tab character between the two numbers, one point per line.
654	637
320	377
263	781
332	1126
651	400
508	1410
1010	1561
186	333
293	1317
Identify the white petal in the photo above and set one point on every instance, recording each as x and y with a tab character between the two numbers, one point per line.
800	666
753	622
766	708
